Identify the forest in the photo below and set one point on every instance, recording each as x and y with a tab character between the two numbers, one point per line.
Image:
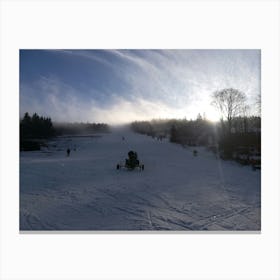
244	136
35	130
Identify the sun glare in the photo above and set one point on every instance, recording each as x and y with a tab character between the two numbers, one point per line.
205	110
212	114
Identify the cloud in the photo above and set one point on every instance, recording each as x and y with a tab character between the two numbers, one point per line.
182	75
62	103
86	54
155	83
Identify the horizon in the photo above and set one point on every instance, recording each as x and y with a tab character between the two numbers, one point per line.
120	124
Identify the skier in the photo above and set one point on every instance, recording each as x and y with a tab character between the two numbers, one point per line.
194	153
68	152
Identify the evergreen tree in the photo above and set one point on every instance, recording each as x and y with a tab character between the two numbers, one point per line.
36	127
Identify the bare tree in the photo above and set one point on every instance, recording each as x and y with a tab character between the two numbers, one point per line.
229	102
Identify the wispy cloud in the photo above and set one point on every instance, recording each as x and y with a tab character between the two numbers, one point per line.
142	84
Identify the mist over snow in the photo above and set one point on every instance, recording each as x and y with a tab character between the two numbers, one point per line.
117	86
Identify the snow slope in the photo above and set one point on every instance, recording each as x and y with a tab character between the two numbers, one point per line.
176	191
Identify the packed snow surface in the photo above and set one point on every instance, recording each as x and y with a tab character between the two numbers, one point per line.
176	191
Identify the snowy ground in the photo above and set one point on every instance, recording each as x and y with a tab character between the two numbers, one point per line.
176	191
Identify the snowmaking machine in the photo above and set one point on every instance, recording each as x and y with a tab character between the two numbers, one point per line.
131	162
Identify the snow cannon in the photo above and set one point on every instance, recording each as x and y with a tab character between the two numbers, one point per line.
131	163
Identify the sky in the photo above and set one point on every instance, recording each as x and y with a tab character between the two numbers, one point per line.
120	86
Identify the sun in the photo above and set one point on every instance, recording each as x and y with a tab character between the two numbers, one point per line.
205	110
212	114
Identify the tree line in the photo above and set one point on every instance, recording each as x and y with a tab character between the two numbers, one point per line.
36	126
237	129
80	128
202	132
35	129
240	131
181	131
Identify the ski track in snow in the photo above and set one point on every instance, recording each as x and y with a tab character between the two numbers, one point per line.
176	191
